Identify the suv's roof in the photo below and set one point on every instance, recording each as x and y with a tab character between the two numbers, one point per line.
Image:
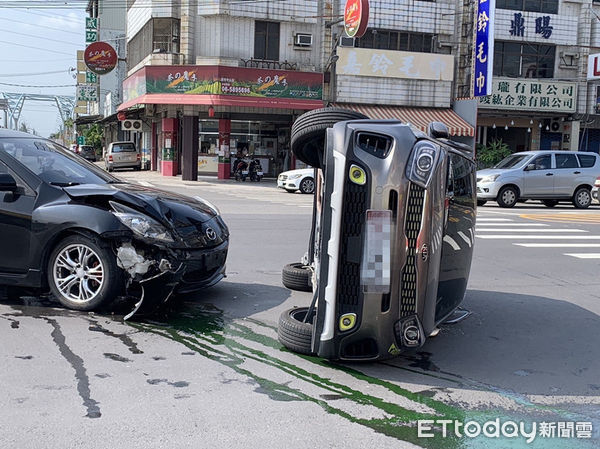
123	141
533	152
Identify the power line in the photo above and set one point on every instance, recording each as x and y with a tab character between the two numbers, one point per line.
42	37
6	75
27	85
38	48
41	26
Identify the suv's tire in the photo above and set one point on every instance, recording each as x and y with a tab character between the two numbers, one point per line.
83	273
549	203
308	132
507	197
481	202
307	185
293	333
582	198
296	276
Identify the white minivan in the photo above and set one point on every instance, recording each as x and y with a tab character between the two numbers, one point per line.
549	176
122	155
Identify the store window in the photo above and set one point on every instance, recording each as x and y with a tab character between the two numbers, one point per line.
266	40
545	6
524	60
396	40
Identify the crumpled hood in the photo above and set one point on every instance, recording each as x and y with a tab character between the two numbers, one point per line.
179	210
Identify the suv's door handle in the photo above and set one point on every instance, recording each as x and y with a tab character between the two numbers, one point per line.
549	174
577	172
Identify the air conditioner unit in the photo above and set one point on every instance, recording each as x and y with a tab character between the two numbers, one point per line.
303	40
131	125
346	41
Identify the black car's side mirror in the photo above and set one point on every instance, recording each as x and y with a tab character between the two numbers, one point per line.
7	183
530	167
437	130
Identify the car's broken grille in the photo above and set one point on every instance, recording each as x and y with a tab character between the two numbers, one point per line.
412	226
353	221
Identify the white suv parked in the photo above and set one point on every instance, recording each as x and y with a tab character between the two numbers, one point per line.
549	176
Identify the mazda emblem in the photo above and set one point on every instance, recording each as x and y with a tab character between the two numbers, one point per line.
211	234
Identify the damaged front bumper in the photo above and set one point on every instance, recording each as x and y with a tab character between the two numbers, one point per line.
155	273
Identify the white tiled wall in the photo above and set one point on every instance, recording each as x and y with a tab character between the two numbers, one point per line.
144	10
296	10
361	89
564	27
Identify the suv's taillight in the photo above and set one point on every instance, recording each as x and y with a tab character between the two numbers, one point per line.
597	183
139	157
110	158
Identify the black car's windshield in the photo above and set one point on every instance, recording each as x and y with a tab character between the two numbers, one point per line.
53	163
123	147
511	161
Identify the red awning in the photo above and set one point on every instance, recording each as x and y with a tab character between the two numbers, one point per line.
223	100
418	117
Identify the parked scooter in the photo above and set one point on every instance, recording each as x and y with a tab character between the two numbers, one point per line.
255	170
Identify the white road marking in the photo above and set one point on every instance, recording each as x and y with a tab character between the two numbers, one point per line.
548	237
558	245
529	230
511	224
451	242
585	255
465	238
493	219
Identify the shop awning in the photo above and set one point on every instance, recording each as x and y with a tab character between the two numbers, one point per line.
418	117
223	100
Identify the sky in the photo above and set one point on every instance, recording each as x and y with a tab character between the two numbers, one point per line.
34	41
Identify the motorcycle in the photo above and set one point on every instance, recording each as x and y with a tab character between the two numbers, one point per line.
241	169
255	170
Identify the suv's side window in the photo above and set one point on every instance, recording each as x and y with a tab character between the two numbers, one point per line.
566	161
543	162
587	160
20	183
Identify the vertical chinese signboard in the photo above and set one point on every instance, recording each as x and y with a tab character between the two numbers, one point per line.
483	51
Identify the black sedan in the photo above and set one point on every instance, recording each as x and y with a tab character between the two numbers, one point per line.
88	237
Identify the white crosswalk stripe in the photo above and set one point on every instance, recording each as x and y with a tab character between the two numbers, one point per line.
533	225
584	255
546	237
568	231
558	245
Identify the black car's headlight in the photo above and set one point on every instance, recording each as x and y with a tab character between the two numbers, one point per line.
422	163
141	224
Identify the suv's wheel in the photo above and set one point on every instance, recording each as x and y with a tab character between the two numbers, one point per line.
549	203
507	197
582	198
83	273
307	185
293	333
308	132
296	276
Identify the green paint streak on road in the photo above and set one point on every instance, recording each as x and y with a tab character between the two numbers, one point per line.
207	333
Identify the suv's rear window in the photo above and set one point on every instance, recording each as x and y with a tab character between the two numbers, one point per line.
587	160
123	148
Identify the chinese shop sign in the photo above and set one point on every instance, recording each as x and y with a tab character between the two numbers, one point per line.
531	95
356	17
87	93
484	47
100	58
221	80
542	26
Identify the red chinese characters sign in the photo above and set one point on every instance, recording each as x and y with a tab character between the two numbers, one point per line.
100	58
221	80
356	17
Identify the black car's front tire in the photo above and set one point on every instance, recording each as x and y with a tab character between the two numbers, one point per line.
83	273
293	333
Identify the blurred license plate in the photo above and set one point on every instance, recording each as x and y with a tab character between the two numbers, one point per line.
375	273
259	173
244	172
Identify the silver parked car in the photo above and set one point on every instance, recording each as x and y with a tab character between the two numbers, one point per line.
549	176
122	155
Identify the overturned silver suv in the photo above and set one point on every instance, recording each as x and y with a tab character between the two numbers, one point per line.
392	240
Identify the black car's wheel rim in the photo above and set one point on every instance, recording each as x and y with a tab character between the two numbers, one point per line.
78	273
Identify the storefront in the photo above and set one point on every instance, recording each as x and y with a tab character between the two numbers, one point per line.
529	114
203	116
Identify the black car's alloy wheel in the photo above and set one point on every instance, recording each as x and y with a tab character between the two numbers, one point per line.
83	274
293	333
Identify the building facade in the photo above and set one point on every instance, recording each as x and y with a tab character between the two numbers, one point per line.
540	96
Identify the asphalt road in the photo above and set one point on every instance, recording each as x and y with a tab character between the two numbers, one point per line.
209	372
